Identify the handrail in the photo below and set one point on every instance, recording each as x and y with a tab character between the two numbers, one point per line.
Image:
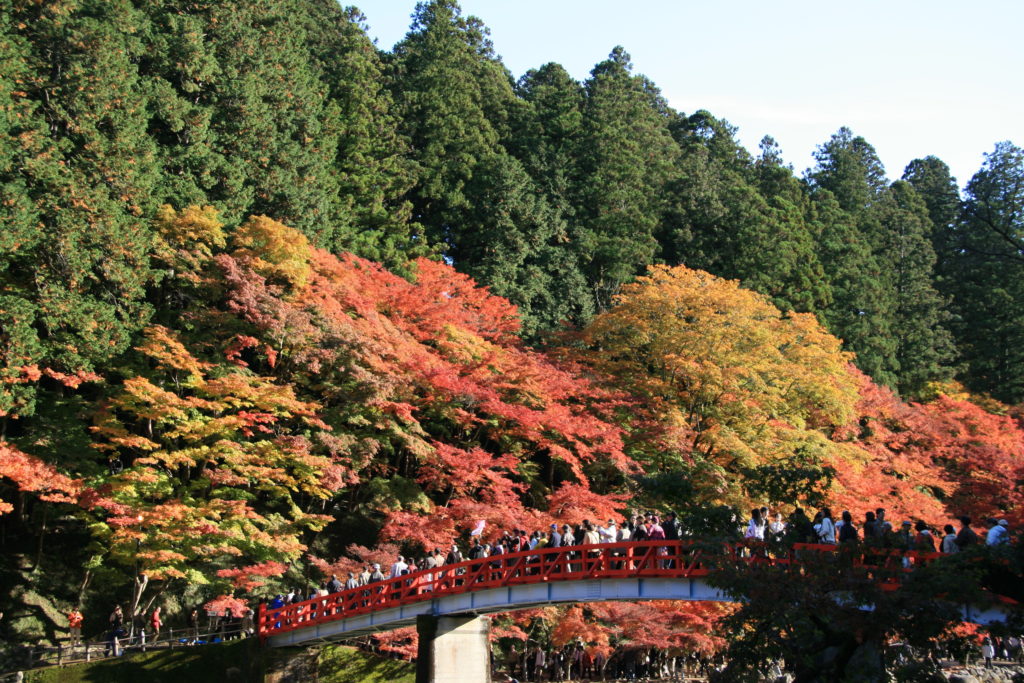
629	559
38	656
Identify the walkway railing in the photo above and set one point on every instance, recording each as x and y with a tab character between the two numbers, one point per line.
92	650
633	559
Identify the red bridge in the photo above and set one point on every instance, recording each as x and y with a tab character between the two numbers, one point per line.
446	603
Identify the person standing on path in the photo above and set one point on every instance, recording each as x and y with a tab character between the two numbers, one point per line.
75	626
156	622
116	631
988	651
193	624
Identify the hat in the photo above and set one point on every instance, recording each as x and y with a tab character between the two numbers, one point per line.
554	526
908	524
1003	522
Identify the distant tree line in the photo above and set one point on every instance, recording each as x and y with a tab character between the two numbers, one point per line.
552	192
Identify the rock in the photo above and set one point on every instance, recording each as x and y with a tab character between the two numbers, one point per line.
963	678
866	663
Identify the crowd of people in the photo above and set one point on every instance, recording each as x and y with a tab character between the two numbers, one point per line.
762	526
649	527
1009	649
916	535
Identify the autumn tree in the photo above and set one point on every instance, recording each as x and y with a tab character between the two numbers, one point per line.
210	468
727	381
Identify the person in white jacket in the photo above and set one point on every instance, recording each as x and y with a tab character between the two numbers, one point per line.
755	527
827	528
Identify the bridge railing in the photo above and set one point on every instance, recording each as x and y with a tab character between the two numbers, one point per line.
631	559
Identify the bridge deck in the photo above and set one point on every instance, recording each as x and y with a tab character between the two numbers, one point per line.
636	570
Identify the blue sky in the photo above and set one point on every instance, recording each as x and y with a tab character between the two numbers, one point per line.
913	77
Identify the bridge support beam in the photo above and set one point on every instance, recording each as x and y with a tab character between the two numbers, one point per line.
453	649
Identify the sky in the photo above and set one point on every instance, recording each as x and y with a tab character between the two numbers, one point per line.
913	77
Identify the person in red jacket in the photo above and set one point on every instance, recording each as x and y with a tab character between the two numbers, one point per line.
156	623
75	626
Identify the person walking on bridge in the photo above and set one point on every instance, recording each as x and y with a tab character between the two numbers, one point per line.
608	533
847	532
966	536
949	545
826	528
998	532
398	568
755	527
800	528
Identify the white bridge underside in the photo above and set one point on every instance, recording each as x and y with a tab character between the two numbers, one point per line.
525	596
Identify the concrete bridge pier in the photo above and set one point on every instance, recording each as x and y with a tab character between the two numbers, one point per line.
453	649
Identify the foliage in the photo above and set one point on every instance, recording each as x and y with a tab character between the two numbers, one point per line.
216	235
832	619
33	475
726	377
219	470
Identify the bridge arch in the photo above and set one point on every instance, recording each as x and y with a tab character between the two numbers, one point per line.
631	571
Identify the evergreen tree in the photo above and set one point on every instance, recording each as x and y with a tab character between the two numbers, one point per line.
626	158
989	271
373	162
934	184
77	172
474	198
709	197
546	137
739	219
447	83
548	132
786	255
183	72
280	108
518	247
924	346
850	169
847	181
276	126
861	311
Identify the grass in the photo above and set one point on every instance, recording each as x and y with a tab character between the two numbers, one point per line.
232	662
340	664
229	662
